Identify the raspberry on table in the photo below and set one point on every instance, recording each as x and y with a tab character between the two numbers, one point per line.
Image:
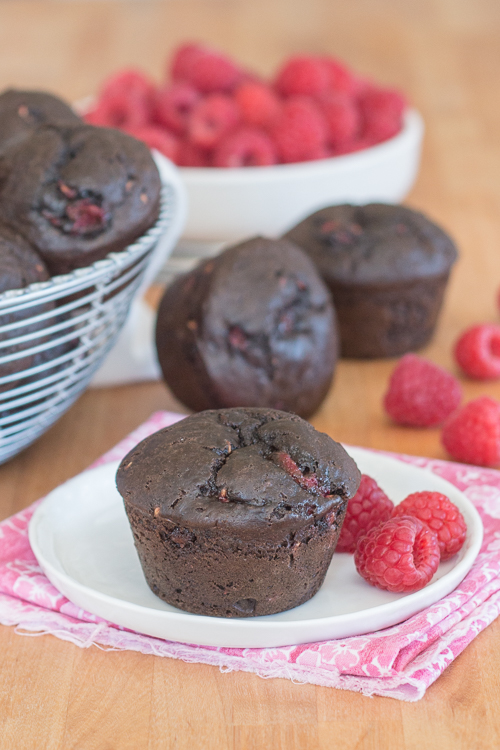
246	147
259	105
420	393
211	118
173	104
381	112
400	555
440	515
303	75
472	434
301	132
477	351
369	507
206	69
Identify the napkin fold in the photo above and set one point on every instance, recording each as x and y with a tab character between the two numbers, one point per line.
399	662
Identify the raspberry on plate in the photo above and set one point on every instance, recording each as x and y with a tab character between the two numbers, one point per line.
400	555
369	507
382	113
472	434
342	118
477	351
440	515
173	104
421	394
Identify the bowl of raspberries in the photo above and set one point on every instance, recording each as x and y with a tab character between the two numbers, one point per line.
255	154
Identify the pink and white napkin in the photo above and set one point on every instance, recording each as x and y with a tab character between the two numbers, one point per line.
400	662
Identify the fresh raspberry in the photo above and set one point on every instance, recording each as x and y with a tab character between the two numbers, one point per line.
125	99
369	507
340	79
303	75
246	147
157	138
189	155
399	555
206	69
301	132
211	119
259	105
440	515
381	112
472	434
179	67
420	393
342	119
477	351
172	106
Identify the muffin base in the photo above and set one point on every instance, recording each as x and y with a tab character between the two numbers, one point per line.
209	572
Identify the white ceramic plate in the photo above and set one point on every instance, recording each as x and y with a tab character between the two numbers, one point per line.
82	540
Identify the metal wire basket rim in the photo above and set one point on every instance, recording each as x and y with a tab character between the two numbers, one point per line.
113	262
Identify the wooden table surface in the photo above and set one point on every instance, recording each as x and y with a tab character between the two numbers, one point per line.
445	54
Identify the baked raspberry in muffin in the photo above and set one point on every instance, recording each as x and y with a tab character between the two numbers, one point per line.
237	512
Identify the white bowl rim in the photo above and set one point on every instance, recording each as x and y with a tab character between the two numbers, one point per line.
413	129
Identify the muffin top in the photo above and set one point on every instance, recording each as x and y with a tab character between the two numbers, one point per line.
21	112
376	243
78	193
261	325
255	472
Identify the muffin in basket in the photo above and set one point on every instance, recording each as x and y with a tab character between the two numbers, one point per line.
237	512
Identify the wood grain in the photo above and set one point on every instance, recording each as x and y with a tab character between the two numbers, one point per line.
444	53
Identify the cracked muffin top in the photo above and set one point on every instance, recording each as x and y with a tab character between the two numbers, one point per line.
254	326
21	112
376	243
78	193
250	471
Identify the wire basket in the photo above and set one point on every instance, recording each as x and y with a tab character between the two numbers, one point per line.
54	335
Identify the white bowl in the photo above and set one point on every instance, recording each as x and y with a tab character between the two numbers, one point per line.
232	204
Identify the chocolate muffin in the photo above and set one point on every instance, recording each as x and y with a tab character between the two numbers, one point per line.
21	112
253	327
387	268
20	266
237	512
78	193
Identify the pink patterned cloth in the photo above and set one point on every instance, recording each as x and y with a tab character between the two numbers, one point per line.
400	662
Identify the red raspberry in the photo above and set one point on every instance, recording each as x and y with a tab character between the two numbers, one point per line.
180	66
369	507
189	155
472	434
301	132
172	106
477	351
303	75
420	393
157	138
125	99
440	515
246	147
259	105
340	79
381	112
205	69
343	121
399	555
211	119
